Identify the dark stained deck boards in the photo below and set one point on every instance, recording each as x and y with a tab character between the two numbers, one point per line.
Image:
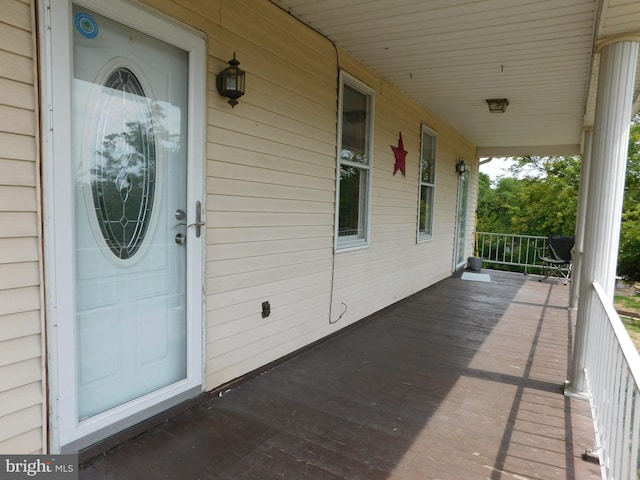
460	381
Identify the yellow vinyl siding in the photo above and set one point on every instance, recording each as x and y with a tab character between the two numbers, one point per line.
16	250
17	405
16	94
14	275
18	423
271	191
22	399
279	148
17	120
18	224
18	325
17	199
395	265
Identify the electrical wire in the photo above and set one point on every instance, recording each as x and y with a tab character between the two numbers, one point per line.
333	249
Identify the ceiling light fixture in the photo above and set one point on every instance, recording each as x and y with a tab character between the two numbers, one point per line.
497	105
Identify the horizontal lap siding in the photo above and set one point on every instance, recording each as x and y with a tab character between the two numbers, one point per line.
21	383
270	184
395	265
271	168
271	178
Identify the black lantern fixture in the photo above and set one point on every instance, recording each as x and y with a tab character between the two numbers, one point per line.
230	82
461	167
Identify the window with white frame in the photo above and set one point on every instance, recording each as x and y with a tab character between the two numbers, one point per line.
354	162
427	183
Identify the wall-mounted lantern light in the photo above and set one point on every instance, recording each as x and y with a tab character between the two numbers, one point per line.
230	82
497	105
461	167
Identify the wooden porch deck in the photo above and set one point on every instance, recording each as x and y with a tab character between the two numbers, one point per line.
460	381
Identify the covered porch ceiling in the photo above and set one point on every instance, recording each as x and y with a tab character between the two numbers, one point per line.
452	55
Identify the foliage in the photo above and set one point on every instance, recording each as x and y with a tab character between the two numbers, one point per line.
629	254
549	198
541	197
493	206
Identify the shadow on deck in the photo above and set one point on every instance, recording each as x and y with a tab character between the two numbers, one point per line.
460	381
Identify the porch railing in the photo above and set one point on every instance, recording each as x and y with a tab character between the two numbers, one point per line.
508	249
613	374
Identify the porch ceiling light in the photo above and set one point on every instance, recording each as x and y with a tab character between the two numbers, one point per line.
497	105
230	82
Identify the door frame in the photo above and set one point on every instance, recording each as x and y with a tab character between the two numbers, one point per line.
464	182
56	52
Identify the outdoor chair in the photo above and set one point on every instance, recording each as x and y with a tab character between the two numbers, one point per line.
556	257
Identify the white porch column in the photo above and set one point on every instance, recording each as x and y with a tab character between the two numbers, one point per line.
578	248
605	189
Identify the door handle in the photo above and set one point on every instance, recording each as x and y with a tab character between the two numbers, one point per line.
198	223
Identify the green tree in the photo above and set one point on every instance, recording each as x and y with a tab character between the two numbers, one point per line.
497	203
540	198
548	198
629	254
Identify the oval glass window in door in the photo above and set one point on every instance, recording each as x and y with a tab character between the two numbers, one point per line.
123	174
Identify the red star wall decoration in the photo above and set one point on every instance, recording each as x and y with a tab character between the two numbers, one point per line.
401	157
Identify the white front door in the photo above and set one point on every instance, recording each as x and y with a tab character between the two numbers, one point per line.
132	343
461	221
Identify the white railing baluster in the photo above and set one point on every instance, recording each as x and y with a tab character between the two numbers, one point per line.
613	375
626	430
509	249
614	415
635	434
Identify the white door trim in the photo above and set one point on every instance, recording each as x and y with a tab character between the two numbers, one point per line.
57	55
464	181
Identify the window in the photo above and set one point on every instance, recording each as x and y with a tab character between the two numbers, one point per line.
427	183
354	163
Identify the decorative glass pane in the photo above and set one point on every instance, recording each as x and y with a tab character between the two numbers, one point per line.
355	123
123	174
463	202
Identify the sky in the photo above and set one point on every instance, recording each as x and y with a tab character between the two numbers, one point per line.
497	167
